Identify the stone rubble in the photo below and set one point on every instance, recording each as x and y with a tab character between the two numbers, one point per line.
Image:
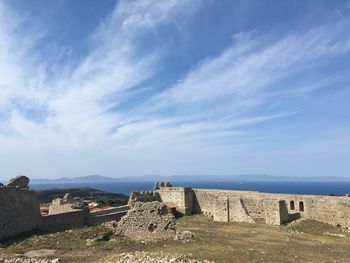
148	221
149	257
184	235
29	260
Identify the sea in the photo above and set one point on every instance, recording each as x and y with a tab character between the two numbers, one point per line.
287	187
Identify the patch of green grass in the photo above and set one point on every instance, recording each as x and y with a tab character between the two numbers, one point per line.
313	227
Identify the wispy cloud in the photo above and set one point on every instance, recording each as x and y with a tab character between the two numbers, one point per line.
73	110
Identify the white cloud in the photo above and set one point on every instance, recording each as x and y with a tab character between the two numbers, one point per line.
248	70
211	109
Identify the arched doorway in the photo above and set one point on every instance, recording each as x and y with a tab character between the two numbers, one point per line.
301	206
291	205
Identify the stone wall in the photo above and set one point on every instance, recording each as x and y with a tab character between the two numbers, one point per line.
181	197
114	214
65	204
19	211
122	208
143	196
147	221
63	221
273	209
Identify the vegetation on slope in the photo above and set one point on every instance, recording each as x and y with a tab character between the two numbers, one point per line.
99	196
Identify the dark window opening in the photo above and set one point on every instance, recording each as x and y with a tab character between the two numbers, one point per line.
292	206
301	206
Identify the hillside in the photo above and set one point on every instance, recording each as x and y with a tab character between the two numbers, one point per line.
96	195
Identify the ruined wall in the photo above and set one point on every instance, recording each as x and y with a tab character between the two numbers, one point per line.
63	221
143	196
19	211
181	197
110	210
221	209
57	206
108	215
276	209
147	221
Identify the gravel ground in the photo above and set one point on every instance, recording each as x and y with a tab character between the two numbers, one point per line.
147	257
29	260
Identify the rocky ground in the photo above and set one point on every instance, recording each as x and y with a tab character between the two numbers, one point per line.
149	257
29	260
302	241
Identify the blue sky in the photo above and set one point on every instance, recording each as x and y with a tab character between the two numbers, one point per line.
128	88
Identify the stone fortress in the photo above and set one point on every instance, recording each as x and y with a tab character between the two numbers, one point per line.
250	206
20	211
20	208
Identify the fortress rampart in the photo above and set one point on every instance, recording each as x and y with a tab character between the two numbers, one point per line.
252	207
20	212
276	209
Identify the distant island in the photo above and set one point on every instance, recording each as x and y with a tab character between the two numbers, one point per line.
189	178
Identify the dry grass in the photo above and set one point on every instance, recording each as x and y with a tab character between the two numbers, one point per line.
303	241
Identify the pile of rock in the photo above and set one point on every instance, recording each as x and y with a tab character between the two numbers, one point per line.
147	221
148	257
29	260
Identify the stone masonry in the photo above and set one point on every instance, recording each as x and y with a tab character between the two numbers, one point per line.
147	221
152	211
250	206
19	208
20	211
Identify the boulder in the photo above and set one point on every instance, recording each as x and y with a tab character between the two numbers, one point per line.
20	181
102	237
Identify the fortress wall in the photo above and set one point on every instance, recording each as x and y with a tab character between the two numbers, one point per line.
175	195
272	208
57	208
63	221
221	209
111	210
182	197
19	211
103	218
203	201
144	196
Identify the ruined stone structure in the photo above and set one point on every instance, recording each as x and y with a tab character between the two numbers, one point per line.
274	209
252	207
65	204
147	221
20	211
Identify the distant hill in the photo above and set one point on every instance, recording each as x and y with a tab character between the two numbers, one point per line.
187	178
99	196
82	179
